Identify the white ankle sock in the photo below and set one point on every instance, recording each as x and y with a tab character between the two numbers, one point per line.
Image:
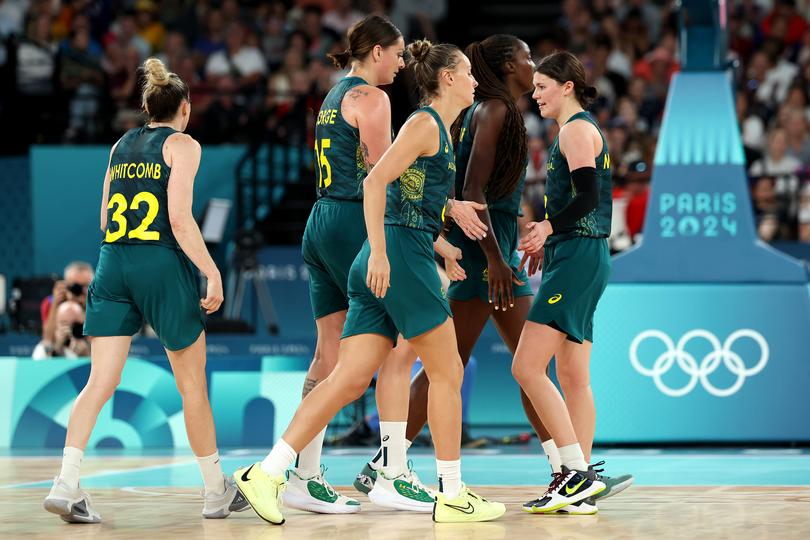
212	473
308	463
376	461
392	444
71	465
572	457
449	477
279	459
553	455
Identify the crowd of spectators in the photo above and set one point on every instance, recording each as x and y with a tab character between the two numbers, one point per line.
259	69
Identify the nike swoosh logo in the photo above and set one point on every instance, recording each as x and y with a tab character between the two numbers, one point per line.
569	490
245	474
466	509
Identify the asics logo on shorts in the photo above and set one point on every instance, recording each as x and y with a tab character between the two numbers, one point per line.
554	299
687	363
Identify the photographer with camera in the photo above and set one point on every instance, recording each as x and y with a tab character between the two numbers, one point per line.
68	341
72	288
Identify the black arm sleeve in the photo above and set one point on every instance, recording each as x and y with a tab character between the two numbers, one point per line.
584	202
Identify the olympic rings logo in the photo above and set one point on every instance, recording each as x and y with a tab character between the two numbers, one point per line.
689	364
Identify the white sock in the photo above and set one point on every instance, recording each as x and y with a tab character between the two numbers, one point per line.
212	473
279	459
308	463
449	477
392	445
573	458
553	455
71	464
376	461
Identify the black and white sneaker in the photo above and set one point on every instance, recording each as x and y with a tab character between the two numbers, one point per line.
613	484
568	487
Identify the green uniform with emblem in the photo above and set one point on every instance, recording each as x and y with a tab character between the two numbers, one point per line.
503	214
142	274
576	265
336	228
415	303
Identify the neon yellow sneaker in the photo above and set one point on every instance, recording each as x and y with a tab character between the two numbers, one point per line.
466	508
262	491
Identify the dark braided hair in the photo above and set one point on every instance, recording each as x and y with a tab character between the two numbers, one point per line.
487	58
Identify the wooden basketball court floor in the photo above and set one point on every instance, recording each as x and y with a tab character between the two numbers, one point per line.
720	494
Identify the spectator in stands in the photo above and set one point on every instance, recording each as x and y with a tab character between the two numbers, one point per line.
149	27
341	17
274	38
68	340
213	39
797	137
125	31
776	161
40	113
239	61
71	288
320	38
82	77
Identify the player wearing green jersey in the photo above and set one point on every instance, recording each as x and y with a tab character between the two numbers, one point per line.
575	273
394	288
146	273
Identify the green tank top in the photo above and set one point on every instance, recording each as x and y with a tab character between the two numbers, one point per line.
560	190
341	167
137	209
509	204
417	198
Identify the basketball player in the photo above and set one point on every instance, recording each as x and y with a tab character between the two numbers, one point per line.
146	272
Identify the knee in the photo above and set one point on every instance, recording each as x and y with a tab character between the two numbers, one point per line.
192	387
352	388
520	370
450	374
572	380
102	387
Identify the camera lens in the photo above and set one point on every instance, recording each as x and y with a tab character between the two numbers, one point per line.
75	289
77	329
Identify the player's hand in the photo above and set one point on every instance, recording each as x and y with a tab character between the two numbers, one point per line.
213	295
535	237
454	270
535	261
378	278
59	292
500	279
465	214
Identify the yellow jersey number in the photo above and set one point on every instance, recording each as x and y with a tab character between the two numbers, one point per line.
141	232
324	169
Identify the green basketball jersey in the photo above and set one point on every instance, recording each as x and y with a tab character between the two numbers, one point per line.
509	203
417	198
341	167
137	209
560	190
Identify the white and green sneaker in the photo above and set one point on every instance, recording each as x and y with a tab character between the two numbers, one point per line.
314	494
403	492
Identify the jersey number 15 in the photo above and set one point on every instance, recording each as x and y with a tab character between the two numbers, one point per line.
324	169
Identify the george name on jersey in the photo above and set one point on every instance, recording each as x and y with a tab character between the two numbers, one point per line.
326	116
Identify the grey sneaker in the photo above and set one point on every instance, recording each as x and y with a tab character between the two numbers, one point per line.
364	481
71	504
220	506
613	484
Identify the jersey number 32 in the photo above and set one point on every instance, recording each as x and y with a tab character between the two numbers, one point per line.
141	232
